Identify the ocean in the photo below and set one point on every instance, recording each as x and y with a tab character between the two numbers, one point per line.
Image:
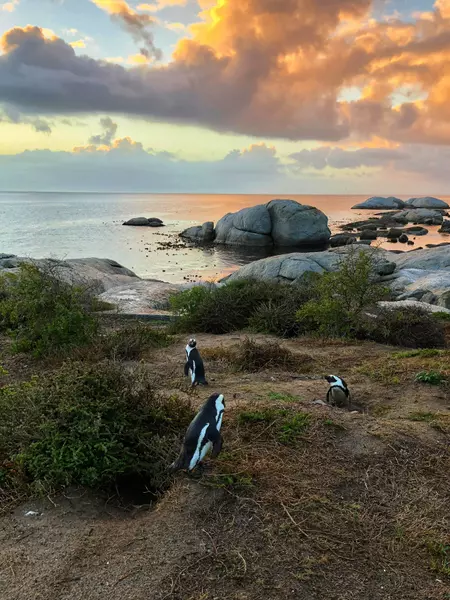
75	225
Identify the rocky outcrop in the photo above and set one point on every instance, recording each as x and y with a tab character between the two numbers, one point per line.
445	228
427	202
419	215
380	203
144	222
292	267
144	296
100	274
200	234
280	223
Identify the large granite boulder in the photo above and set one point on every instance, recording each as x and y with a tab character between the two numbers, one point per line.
100	274
419	215
201	234
445	228
144	222
292	267
143	296
427	202
295	224
380	203
281	223
432	259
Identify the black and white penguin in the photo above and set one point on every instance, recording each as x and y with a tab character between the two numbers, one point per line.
203	435
338	393
194	364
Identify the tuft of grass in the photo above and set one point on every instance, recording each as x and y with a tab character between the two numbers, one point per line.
421	353
430	377
426	417
129	343
440	557
43	314
283	397
289	426
91	425
441	316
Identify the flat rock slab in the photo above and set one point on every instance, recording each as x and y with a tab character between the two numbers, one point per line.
144	296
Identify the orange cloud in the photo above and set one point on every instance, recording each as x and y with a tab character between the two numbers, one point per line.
160	4
10	6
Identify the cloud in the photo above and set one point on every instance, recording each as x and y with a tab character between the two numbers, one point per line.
109	131
136	24
338	158
160	5
265	68
12	115
177	27
78	44
10	6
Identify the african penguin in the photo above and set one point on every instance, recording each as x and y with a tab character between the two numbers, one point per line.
338	393
203	435
194	364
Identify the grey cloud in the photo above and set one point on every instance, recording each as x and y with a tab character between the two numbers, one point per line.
109	131
11	115
138	26
338	158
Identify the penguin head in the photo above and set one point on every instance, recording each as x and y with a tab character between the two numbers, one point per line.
331	378
192	343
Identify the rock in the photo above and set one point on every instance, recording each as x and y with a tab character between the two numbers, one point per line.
410	243
201	234
295	224
416	231
292	267
445	228
144	296
419	215
342	239
368	227
394	234
437	245
100	274
403	239
144	222
255	219
380	203
444	300
412	304
372	223
279	223
368	234
433	259
426	202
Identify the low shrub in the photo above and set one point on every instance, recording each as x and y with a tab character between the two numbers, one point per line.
268	307
129	343
341	298
92	425
409	327
431	377
251	357
288	426
44	314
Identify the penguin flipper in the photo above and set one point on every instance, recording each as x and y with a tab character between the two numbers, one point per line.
186	369
217	447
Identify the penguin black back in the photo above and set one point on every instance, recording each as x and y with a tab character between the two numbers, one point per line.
194	364
203	435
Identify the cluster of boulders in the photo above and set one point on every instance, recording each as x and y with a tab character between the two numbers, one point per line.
280	223
144	222
392	203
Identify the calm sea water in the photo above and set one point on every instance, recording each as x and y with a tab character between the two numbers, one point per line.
72	225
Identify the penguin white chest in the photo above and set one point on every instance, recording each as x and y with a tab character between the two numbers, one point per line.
338	395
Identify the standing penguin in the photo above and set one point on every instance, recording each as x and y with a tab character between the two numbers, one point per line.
194	364
203	435
338	393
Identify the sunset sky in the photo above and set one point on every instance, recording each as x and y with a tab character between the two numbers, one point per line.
276	96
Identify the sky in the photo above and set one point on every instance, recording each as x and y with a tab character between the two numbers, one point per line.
251	96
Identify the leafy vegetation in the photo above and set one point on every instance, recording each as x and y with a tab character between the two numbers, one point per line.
268	307
410	327
342	297
431	377
421	353
43	314
129	343
289	426
90	425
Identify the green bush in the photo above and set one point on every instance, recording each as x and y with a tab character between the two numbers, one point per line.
93	426
43	314
129	343
235	305
409	327
341	297
431	377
